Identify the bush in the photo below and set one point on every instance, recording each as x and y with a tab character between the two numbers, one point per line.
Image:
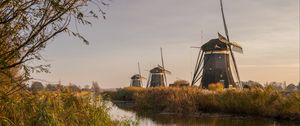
122	94
216	86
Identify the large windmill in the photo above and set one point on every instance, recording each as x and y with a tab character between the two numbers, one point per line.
136	80
157	75
214	60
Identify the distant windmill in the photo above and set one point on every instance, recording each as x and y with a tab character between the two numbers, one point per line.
136	80
157	75
213	61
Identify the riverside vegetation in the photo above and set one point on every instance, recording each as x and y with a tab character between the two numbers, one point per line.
56	108
266	102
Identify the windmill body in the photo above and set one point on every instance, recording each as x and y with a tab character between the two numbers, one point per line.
216	66
157	77
136	80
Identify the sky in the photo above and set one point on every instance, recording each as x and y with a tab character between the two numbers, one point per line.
134	31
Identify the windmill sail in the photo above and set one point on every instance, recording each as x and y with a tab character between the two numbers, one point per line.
235	46
166	71
163	65
228	40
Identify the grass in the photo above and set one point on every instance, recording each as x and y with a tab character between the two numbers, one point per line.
265	102
55	109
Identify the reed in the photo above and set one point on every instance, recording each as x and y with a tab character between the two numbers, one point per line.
265	102
55	109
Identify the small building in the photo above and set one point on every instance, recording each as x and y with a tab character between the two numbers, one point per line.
291	88
136	80
251	84
157	77
180	83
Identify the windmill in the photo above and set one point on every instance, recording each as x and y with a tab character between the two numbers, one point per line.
214	60
136	80
157	75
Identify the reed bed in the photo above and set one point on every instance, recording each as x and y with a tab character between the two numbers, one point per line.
265	102
55	109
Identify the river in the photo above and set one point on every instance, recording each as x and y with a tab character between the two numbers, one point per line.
167	119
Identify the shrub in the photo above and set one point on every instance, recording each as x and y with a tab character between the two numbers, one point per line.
216	86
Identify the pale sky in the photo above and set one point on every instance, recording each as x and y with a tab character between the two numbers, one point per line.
134	31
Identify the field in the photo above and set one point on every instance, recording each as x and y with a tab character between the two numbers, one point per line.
265	102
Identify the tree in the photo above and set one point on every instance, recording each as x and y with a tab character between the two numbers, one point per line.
86	88
26	26
36	86
95	87
51	87
73	87
180	83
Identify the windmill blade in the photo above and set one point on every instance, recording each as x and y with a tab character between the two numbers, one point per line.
195	47
236	47
143	78
223	39
163	64
164	70
228	40
224	21
167	71
235	66
139	68
148	82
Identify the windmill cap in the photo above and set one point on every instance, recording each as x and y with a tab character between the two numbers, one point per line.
157	70
214	44
136	76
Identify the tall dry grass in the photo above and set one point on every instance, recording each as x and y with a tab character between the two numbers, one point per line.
55	109
259	102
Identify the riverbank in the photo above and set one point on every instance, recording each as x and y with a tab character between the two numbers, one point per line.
254	102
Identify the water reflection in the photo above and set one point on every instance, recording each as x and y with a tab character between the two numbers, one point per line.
121	110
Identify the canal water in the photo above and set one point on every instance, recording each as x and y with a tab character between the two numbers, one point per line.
168	119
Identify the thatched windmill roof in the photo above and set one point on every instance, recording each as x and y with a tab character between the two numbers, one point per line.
214	45
157	70
136	76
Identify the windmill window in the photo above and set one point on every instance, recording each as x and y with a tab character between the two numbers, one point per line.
221	75
210	68
220	57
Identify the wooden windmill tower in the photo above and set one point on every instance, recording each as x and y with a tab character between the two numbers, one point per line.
214	61
157	75
136	80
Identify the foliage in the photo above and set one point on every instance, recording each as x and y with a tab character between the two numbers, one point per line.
122	94
180	83
36	86
95	87
26	26
216	86
73	87
259	102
